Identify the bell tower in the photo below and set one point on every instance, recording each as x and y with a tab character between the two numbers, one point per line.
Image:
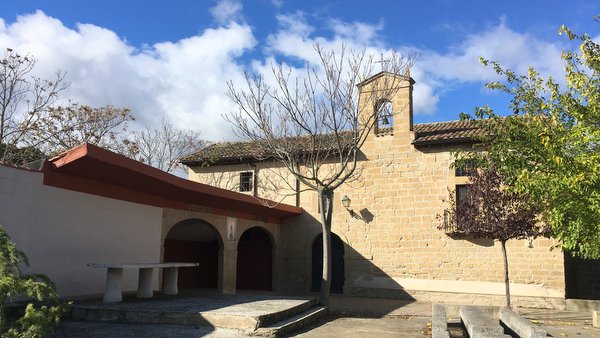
385	100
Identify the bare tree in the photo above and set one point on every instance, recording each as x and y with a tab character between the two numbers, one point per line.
316	124
489	210
22	98
162	147
60	128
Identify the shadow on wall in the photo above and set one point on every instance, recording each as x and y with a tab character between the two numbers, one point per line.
582	280
352	273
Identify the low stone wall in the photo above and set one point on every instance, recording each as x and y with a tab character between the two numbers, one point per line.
520	325
480	324
461	298
439	323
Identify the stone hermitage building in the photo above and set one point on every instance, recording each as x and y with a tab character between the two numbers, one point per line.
387	244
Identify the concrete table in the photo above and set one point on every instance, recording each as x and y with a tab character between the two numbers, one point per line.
114	276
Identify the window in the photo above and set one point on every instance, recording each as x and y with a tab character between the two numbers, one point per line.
385	119
462	190
465	169
246	181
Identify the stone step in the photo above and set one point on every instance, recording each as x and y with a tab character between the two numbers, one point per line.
245	322
227	317
293	323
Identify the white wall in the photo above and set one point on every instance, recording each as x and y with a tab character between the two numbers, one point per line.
61	231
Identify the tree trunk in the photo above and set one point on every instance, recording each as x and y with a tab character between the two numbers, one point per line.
326	199
506	280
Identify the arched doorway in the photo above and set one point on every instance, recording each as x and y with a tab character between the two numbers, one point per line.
337	264
194	241
255	260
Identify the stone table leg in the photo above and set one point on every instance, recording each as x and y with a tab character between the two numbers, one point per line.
112	294
145	283
170	281
596	318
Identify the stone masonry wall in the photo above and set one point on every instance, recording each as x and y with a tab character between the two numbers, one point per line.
392	244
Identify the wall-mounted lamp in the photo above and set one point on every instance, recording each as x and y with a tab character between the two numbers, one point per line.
346	204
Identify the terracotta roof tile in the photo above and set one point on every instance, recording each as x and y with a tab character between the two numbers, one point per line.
447	132
437	133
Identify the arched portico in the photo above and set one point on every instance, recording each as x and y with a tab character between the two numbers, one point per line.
197	241
255	261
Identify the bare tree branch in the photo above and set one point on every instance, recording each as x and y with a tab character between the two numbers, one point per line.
315	123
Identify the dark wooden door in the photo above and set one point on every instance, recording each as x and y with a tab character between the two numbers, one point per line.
204	253
337	264
254	261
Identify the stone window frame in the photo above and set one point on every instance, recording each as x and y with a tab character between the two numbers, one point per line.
456	178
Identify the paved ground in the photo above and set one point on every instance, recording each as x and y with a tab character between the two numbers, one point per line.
368	327
97	330
350	317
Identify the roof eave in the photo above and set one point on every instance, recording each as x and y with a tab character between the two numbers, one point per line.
442	142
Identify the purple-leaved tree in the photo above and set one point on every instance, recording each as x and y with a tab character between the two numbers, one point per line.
489	210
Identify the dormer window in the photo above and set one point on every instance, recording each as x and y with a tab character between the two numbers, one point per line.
384	123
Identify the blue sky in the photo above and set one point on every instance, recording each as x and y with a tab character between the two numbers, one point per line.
172	58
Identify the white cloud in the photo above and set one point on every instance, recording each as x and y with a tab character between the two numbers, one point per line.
295	39
183	80
357	32
186	80
226	11
514	50
277	3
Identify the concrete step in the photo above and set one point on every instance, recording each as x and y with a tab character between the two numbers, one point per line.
244	316
292	323
247	322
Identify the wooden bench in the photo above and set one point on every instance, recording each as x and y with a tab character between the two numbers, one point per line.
114	275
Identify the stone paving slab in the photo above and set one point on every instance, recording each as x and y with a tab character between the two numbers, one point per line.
368	327
249	304
382	318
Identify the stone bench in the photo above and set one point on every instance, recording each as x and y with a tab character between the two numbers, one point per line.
480	324
114	275
520	325
439	323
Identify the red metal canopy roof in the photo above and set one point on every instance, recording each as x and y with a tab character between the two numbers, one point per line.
91	169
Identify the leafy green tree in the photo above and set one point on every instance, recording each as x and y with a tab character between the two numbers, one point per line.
550	148
42	309
490	210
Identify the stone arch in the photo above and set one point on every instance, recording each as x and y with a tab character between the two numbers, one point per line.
255	260
197	241
384	119
338	278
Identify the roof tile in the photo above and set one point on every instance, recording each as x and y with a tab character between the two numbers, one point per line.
437	133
